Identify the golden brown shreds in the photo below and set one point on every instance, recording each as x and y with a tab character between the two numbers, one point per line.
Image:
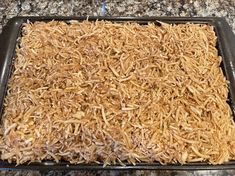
109	93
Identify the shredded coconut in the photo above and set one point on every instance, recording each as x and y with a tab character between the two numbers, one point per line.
111	93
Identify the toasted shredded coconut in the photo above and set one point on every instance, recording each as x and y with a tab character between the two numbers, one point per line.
103	92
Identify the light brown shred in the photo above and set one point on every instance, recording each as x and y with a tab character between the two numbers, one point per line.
103	92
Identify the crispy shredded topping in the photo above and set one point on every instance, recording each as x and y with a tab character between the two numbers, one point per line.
113	93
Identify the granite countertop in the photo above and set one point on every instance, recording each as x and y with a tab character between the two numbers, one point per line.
219	8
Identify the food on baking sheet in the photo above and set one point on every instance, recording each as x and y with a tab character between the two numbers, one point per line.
111	93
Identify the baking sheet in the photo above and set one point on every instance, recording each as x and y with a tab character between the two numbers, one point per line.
225	45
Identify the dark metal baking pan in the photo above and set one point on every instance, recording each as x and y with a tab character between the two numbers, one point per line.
225	45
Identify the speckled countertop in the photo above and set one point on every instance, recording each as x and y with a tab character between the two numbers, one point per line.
219	8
